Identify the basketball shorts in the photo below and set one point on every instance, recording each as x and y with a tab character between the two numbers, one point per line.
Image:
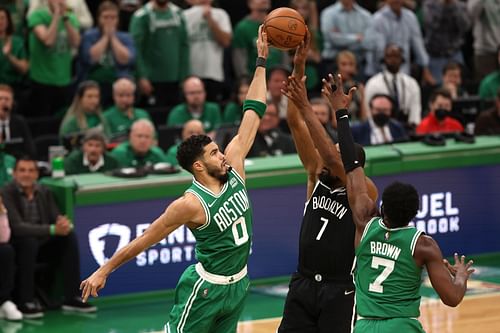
391	325
207	303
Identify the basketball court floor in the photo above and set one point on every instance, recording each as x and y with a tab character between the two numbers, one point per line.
145	313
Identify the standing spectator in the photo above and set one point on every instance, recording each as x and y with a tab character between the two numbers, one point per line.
489	85
40	232
380	128
445	24
17	10
139	150
13	127
190	128
77	7
85	111
486	31
92	157
106	53
397	25
53	32
488	122
347	67
8	310
439	119
196	107
123	114
209	30
270	139
275	78
162	44
245	34
233	112
344	26
13	58
403	89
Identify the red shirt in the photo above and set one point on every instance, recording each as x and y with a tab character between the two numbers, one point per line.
430	124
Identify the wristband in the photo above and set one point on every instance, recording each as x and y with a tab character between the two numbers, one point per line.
256	106
260	62
52	229
346	141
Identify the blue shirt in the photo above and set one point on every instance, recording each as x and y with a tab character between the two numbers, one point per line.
403	31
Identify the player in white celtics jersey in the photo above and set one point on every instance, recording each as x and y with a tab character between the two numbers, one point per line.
390	254
210	295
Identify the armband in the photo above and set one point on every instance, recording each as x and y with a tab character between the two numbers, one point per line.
260	62
52	229
257	106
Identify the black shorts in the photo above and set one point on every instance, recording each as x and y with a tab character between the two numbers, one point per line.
318	307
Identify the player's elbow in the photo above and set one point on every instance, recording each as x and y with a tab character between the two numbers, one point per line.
451	300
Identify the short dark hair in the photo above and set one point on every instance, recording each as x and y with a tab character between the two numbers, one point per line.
400	204
191	149
25	158
451	66
440	92
380	95
10	24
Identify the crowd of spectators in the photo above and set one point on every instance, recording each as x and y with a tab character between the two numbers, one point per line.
119	83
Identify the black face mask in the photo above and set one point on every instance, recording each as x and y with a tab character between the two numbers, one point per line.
380	119
441	114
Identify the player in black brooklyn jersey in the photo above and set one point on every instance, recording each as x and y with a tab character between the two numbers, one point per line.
321	294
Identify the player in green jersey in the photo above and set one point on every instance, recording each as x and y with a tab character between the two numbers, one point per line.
210	295
390	254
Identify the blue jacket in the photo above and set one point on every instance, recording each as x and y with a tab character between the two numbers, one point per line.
362	132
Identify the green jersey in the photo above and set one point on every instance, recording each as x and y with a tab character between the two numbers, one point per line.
223	242
387	277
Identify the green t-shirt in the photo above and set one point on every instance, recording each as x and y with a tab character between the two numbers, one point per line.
127	158
245	35
105	70
70	126
233	113
119	123
488	88
8	73
50	65
223	242
7	163
162	44
211	116
387	277
73	163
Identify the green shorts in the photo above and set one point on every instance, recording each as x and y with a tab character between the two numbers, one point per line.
207	303
391	325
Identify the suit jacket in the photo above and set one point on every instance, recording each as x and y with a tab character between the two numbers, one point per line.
362	132
279	143
47	209
19	129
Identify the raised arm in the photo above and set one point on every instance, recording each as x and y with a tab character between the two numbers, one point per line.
450	282
181	211
255	103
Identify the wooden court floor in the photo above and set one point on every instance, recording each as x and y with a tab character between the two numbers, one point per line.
476	314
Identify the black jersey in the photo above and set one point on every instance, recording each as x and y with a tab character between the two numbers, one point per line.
327	235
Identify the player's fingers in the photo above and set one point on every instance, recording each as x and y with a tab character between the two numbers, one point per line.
352	91
304	78
85	293
462	260
471	271
331	78
455	256
469	264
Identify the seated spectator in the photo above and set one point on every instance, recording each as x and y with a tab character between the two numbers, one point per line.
53	33
275	77
78	7
196	107
270	139
347	66
380	128
452	80
85	111
439	119
40	232
489	85
233	112
123	114
210	32
13	127
13	58
106	53
92	157
190	128
139	150
8	310
403	89
488	122
322	110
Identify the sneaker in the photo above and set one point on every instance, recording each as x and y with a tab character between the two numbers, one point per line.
76	304
9	311
31	310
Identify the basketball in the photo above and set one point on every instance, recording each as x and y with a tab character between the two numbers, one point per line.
285	28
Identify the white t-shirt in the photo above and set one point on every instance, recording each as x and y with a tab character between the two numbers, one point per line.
206	55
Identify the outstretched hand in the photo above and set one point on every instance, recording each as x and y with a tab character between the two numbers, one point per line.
262	45
460	267
300	58
333	91
92	285
296	91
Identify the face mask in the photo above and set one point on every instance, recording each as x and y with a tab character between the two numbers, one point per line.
441	114
380	119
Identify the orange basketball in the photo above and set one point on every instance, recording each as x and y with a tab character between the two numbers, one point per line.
285	28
